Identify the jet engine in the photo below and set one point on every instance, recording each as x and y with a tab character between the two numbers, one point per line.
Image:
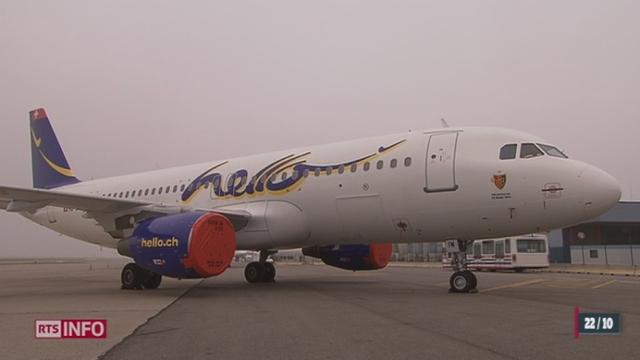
352	257
187	245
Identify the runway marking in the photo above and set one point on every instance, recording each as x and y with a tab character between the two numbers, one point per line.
514	285
604	284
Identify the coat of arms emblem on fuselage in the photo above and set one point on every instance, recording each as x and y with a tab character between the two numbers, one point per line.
500	180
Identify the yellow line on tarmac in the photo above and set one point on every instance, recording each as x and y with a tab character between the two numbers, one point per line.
604	284
518	284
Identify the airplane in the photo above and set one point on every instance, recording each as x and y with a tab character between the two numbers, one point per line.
345	203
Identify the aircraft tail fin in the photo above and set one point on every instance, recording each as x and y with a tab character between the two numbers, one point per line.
49	165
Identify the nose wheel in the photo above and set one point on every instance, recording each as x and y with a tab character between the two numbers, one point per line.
463	282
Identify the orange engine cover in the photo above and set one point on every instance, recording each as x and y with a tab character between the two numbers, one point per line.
212	245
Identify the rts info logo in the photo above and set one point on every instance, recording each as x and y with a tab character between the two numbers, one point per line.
70	329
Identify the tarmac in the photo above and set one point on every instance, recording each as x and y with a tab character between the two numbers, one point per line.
316	312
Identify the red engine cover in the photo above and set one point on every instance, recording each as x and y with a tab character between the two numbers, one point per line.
212	245
380	254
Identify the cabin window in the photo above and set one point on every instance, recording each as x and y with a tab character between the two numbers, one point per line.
146	192
407	161
508	152
393	163
531	246
341	169
305	173
153	191
354	167
529	150
328	170
487	247
168	189
367	165
175	188
139	192
553	151
182	187
126	194
317	172
379	164
120	196
160	190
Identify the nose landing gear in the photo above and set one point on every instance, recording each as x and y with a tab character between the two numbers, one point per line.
462	280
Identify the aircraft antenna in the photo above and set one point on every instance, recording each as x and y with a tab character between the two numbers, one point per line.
444	123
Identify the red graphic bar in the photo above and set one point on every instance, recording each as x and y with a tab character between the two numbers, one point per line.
576	323
70	329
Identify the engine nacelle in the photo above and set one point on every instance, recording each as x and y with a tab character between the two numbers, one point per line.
352	257
188	245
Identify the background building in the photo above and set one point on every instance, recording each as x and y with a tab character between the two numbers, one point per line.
611	239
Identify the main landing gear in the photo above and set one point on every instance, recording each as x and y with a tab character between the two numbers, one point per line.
261	271
462	280
135	277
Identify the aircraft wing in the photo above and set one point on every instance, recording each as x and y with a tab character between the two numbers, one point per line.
21	199
107	211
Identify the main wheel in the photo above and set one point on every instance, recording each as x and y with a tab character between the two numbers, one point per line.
461	281
132	277
269	272
254	272
152	281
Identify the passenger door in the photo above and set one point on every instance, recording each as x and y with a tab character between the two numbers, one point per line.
499	249
441	161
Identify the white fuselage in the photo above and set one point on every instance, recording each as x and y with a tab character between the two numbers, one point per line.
444	184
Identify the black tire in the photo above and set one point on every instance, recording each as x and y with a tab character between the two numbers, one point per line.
254	272
460	282
269	272
132	277
152	281
473	280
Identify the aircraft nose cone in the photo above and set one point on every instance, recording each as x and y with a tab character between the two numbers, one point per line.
601	191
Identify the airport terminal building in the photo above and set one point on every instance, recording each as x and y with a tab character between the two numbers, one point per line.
611	239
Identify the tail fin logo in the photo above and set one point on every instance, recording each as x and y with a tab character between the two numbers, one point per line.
36	140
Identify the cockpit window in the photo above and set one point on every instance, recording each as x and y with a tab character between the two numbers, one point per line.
529	150
553	151
508	152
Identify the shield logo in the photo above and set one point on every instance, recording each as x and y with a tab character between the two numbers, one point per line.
500	181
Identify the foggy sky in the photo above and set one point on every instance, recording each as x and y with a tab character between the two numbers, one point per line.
139	85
